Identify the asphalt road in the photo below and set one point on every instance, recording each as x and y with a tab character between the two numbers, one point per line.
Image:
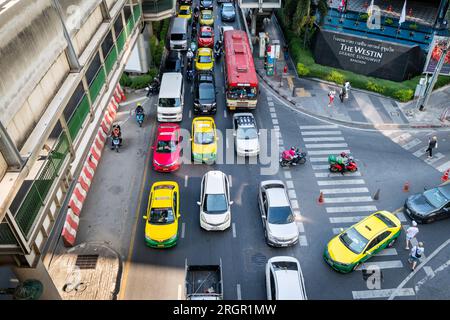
384	165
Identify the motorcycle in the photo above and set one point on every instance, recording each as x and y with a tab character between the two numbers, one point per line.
285	159
116	143
217	53
153	87
342	166
140	118
193	46
190	74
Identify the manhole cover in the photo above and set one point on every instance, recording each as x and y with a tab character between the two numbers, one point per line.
259	259
87	261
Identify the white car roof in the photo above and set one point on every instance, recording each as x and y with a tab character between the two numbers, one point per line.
214	182
277	197
290	285
170	82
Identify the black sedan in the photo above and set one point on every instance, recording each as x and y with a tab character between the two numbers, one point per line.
174	62
206	4
205	93
431	205
228	13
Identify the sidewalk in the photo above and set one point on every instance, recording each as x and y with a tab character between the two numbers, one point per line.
362	108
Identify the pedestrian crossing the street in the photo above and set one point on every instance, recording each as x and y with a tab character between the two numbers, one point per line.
347	199
416	142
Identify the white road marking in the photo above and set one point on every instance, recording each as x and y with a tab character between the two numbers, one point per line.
269	98
302	241
429	271
381	293
344	220
230	180
292	194
444	167
348	199
420	152
319	127
337	175
323	139
179	292
270	104
183	230
275	121
438	156
382	265
227	143
234	229
340	182
402	137
287	175
318	159
320	133
238	290
273	115
186	179
351	209
326	145
300	227
272	109
225	113
276	128
327	152
190	113
344	190
290	184
401	217
294	204
411	144
320	166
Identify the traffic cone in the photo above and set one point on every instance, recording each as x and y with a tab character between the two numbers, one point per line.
445	176
320	200
376	196
406	187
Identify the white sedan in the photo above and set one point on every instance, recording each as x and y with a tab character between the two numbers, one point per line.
284	279
246	134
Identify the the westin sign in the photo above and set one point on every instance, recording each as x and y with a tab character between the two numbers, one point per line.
370	57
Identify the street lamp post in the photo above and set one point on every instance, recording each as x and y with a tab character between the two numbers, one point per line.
435	76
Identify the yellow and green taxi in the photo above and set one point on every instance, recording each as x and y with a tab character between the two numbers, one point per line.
163	213
206	18
204	60
185	12
351	247
204	140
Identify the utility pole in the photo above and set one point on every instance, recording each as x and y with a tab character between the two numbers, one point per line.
435	76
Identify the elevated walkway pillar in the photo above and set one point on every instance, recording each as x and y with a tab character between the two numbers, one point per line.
9	151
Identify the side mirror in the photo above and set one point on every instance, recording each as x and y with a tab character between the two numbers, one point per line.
145	217
199	203
341	229
231	202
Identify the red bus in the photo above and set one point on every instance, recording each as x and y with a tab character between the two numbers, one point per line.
240	75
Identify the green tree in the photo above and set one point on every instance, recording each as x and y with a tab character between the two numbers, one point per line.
322	7
288	11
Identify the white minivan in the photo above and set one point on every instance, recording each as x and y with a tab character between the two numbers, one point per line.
170	100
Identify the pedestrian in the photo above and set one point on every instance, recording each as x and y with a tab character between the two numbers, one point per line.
347	88
416	254
331	96
285	51
411	233
432	143
342	94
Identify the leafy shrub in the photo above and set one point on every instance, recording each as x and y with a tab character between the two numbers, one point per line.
372	86
153	72
413	26
336	77
364	16
125	80
140	82
404	95
153	48
389	21
302	70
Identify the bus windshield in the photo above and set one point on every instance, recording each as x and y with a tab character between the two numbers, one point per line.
248	93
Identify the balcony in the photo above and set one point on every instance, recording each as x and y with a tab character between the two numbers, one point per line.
155	10
260	4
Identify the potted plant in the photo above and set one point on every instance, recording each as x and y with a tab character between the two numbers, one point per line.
413	26
388	22
364	16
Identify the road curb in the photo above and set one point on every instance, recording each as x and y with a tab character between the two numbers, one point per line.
360	125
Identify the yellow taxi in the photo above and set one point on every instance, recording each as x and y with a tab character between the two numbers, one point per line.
204	140
346	251
185	12
204	60
163	213
206	18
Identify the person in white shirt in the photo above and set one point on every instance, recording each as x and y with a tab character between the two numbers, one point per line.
411	233
415	254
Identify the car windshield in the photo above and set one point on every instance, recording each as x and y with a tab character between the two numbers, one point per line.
166	146
206	91
206	34
242	93
435	198
178	36
228	9
247	133
204	137
215	203
353	240
204	59
169	102
206	16
185	12
161	216
280	215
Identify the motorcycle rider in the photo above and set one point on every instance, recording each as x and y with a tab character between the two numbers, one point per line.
116	134
189	56
343	159
139	109
218	46
292	154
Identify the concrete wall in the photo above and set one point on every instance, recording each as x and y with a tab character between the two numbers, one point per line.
87	31
31	39
110	3
3	166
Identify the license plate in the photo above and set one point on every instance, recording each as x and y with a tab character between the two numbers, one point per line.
232	108
242	104
160	246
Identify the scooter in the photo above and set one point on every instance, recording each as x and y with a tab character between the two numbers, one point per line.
217	53
336	166
140	118
285	159
190	74
153	87
115	143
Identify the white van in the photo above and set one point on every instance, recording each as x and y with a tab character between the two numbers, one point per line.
179	34
170	100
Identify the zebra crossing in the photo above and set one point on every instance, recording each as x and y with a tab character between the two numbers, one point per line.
416	142
347	198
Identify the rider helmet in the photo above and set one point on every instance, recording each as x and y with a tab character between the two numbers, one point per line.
343	154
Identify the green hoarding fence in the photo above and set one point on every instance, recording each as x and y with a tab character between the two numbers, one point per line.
137	12
130	25
76	121
6	235
35	198
121	40
97	84
110	59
